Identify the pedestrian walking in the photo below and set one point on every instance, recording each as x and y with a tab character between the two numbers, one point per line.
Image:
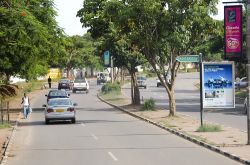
26	105
49	82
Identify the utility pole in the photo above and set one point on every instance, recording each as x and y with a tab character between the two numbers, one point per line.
248	71
248	64
112	71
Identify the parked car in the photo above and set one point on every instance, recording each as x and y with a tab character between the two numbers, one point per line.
241	83
168	79
57	94
141	81
64	84
60	109
103	77
80	84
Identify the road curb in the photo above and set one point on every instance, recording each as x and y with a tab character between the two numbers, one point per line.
180	134
9	142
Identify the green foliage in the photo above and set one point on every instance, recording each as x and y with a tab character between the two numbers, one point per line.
29	37
149	104
209	128
4	125
111	88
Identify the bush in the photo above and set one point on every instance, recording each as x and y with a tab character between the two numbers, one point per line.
149	104
111	88
209	128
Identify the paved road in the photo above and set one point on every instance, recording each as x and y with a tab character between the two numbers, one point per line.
188	101
102	136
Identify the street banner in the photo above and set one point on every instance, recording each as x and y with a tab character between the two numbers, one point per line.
233	32
106	59
218	85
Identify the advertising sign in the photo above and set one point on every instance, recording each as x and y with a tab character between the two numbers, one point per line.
218	85
106	59
233	32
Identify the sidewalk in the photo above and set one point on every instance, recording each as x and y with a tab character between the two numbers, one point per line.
230	142
15	115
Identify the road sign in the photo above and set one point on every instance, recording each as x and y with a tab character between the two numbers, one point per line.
106	59
188	58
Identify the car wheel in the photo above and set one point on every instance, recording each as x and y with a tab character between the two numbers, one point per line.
145	87
46	121
87	91
73	120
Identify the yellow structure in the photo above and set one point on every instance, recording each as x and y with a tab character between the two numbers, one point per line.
54	73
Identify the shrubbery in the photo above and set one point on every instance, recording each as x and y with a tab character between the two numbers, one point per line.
111	88
149	104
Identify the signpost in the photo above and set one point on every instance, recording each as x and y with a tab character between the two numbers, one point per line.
188	58
106	59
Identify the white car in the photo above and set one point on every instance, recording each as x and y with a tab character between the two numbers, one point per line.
60	109
103	77
241	83
80	84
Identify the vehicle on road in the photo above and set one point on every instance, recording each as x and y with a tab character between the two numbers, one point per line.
141	81
60	109
64	84
103	77
168	80
241	83
57	94
80	84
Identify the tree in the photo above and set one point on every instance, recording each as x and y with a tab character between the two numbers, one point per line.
96	15
30	37
165	30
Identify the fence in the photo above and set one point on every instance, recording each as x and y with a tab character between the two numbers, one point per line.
5	111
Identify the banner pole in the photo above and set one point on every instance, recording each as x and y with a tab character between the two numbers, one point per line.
201	90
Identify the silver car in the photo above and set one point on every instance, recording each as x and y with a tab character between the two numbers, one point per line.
60	109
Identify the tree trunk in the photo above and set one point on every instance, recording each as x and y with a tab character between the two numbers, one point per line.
92	72
172	103
136	94
132	90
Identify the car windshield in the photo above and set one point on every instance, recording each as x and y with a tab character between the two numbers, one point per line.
80	81
59	102
64	81
141	78
57	93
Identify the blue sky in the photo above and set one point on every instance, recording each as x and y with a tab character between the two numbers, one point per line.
67	19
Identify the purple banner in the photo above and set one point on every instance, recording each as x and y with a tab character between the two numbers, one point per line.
233	31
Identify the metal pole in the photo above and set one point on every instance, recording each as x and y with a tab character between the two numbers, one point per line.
112	74
201	96
248	71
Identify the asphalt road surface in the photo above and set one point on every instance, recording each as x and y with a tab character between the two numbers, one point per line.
188	101
102	136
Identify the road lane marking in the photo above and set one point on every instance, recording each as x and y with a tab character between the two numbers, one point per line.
83	124
112	156
95	137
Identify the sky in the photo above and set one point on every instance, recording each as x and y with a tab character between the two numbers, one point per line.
67	10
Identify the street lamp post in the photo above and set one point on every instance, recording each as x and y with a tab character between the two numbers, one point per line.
248	71
248	64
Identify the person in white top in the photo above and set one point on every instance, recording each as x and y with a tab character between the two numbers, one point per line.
26	105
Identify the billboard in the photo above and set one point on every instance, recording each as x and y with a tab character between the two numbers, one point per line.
106	59
218	85
233	32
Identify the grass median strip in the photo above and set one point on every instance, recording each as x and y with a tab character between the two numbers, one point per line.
209	128
4	125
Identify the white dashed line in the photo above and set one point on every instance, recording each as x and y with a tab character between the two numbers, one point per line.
96	138
83	124
112	156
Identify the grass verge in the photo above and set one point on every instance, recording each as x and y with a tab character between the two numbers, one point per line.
4	125
209	128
